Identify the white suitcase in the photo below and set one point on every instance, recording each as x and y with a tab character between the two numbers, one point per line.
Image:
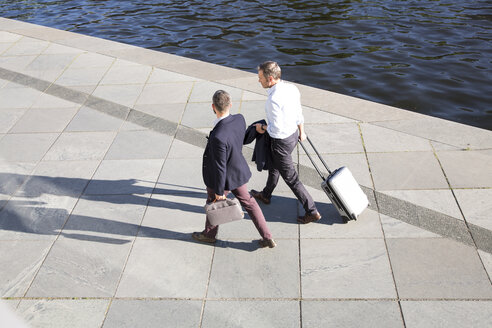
342	189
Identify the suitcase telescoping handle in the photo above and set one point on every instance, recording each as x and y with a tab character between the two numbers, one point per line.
312	161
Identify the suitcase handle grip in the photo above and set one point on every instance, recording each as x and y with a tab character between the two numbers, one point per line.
319	156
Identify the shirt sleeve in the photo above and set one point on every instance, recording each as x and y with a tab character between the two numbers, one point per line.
298	105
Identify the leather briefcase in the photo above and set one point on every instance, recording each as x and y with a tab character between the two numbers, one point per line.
224	211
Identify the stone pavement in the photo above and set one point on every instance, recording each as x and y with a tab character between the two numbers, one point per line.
100	189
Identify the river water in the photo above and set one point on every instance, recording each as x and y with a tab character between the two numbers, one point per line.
432	57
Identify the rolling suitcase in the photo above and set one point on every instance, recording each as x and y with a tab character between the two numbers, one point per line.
342	189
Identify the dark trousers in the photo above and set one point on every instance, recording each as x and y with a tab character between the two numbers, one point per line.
249	204
281	150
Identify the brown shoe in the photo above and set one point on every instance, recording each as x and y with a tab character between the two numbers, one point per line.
199	236
267	243
308	218
259	196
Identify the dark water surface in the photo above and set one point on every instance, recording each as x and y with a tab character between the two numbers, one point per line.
432	57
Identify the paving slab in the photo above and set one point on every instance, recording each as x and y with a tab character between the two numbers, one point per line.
48	75
351	107
181	175
394	228
345	268
476	205
139	145
378	139
13	175
406	170
437	268
180	149
88	60
16	63
251	110
123	94
241	270
88	119
148	272
462	136
487	262
332	226
316	116
20	262
356	163
336	138
14	96
197	115
9	37
83	76
44	120
174	216
163	76
54	48
25	147
9	117
62	178
454	162
27	46
80	146
34	218
50	62
63	313
81	266
165	93
120	74
252	314
9	318
169	112
447	314
125	177
203	90
353	314
117	217
153	313
442	201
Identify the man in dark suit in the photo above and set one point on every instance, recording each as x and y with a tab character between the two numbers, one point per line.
225	168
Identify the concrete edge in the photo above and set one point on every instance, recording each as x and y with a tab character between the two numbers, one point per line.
413	214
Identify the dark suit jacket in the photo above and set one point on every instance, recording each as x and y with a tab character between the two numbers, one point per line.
224	166
262	155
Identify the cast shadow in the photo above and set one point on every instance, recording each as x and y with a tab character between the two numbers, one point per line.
20	214
286	209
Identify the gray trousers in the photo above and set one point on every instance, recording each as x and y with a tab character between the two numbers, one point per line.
283	165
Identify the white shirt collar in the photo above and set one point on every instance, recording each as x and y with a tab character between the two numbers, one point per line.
272	88
217	120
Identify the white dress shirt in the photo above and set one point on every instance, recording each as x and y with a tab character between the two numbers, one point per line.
283	110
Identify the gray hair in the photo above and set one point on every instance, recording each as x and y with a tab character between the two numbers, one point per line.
221	100
270	68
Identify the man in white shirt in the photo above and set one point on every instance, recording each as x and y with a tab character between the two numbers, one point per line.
285	125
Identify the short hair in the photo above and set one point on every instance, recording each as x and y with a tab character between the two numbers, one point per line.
270	68
221	100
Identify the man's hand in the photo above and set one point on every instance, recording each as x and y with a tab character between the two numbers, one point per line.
259	128
219	197
302	134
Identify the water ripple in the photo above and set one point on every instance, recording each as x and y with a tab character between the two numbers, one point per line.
432	57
